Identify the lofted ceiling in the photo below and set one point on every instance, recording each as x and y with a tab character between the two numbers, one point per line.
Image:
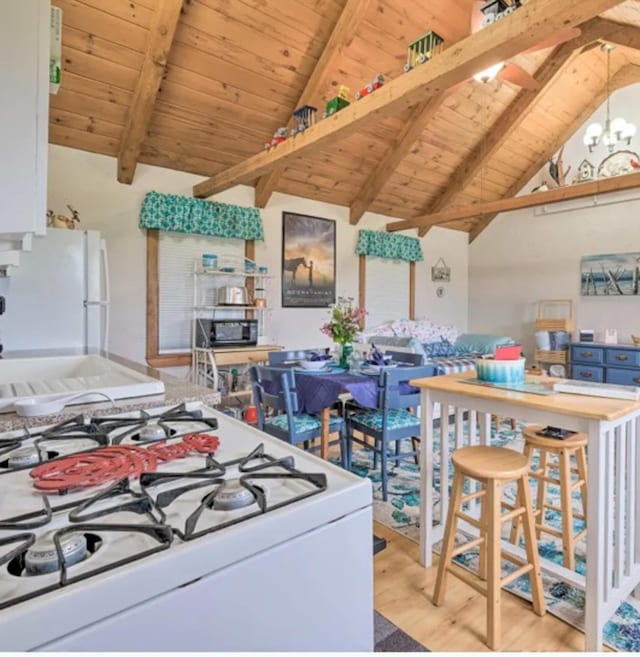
236	69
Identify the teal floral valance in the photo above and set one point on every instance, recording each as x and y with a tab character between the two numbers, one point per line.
389	245
183	214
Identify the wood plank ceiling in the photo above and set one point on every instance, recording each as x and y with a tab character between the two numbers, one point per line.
237	69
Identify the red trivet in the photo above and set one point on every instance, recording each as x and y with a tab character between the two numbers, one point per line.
114	463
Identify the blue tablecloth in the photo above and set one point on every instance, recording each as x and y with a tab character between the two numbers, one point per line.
319	391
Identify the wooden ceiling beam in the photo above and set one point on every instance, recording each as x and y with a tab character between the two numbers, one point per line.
506	124
160	39
629	74
601	186
398	150
340	37
529	25
619	34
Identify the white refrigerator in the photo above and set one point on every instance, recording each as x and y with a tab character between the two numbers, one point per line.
58	297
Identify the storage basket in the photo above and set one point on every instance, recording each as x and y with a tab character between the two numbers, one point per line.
546	321
551	357
554	315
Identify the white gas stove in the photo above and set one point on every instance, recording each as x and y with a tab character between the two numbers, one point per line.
179	529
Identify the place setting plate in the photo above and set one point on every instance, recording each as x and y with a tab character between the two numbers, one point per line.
318	367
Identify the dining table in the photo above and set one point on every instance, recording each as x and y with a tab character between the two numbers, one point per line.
318	391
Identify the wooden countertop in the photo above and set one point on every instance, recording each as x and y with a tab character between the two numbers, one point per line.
593	408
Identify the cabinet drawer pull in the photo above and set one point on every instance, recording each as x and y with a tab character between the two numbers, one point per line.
586	354
622	357
587	375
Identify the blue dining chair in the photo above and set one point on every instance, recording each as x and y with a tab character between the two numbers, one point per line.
392	421
405	358
275	396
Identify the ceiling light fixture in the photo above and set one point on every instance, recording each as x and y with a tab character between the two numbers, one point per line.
615	131
488	74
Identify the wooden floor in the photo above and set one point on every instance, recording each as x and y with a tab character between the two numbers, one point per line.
403	592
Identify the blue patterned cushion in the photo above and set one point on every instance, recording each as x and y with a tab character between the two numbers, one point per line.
396	419
303	422
439	349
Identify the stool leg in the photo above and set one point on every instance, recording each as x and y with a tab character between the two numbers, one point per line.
542	490
449	539
567	510
516	527
494	590
537	593
482	556
581	460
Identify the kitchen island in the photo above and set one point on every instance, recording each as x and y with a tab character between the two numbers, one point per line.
176	391
613	515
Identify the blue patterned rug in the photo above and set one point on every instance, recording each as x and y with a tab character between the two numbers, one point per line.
401	512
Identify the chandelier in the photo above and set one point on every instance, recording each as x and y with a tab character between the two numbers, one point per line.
614	132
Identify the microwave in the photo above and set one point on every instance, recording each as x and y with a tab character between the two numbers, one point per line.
212	333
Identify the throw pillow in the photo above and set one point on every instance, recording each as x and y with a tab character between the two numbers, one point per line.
480	343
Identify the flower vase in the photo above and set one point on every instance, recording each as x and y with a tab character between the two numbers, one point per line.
346	351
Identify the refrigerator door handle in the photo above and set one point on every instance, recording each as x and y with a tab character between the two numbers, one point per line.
107	294
103	303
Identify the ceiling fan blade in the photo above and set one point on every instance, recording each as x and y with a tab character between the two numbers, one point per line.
516	75
563	36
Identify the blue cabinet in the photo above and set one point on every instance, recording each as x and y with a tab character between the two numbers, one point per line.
604	363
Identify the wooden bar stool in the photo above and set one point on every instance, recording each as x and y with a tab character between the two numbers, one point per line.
563	449
492	467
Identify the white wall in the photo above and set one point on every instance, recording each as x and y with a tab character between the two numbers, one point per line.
88	182
535	254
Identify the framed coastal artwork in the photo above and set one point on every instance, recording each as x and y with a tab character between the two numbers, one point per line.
615	275
308	261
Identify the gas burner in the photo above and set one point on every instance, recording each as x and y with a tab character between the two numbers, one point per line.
231	495
153	431
147	427
42	557
259	472
25	457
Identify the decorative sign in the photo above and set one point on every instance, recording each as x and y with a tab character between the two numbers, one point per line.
440	272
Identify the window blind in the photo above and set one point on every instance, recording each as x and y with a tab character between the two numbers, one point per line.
386	290
177	253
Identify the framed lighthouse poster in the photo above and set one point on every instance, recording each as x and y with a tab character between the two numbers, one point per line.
308	261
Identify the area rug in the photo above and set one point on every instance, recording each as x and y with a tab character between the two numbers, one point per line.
401	513
390	638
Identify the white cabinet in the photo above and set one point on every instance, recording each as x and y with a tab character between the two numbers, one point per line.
24	116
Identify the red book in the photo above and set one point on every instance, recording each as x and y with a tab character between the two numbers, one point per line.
508	352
